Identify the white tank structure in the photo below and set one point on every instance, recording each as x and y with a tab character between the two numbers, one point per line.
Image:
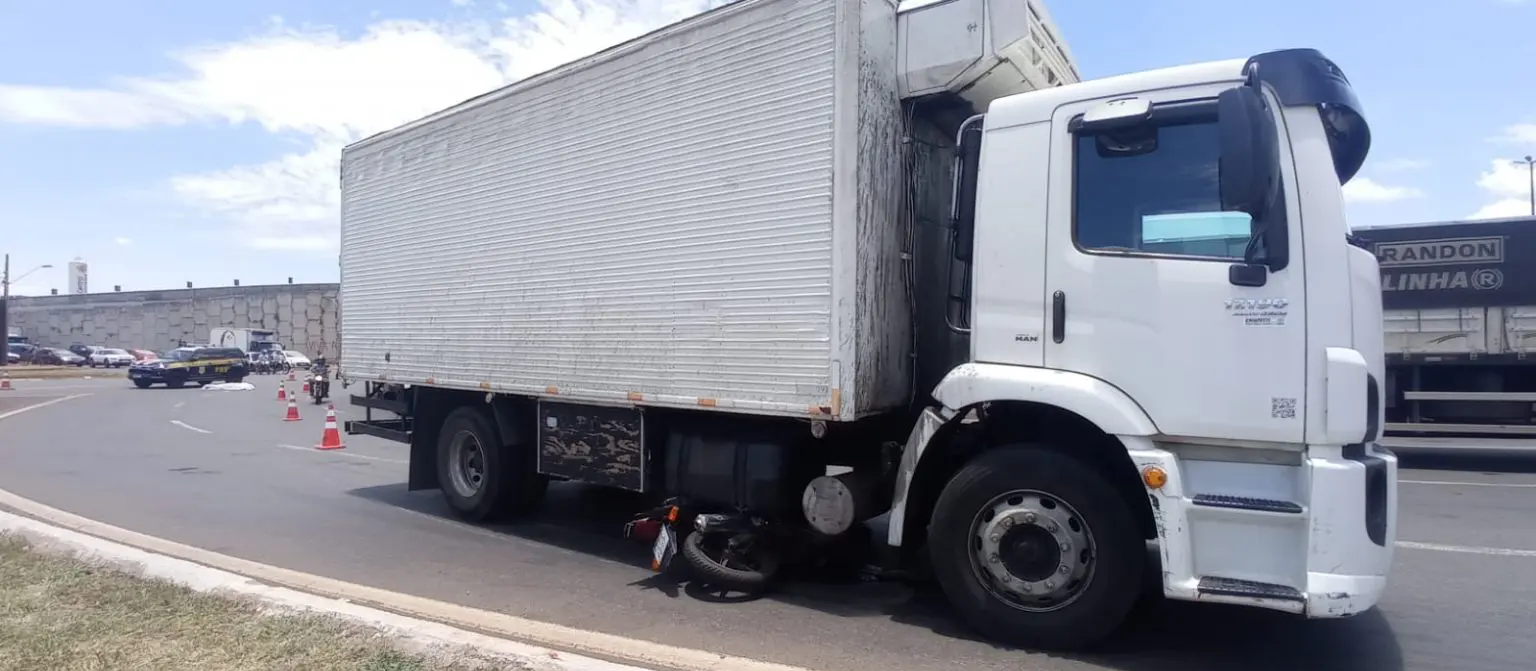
77	277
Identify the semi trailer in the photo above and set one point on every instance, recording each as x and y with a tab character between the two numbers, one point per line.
813	275
1460	330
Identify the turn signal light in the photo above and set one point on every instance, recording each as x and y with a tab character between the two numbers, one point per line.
1154	477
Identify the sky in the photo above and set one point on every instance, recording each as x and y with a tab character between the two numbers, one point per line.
179	140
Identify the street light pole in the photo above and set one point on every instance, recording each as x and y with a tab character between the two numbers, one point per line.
5	299
1530	167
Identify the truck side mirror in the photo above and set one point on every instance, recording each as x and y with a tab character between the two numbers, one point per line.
1250	179
1250	152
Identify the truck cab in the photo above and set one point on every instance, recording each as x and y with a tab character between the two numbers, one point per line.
1154	270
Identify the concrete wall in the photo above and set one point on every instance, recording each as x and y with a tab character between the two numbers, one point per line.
305	316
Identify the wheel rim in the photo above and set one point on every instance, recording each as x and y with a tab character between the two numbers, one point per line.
1032	551
736	552
466	464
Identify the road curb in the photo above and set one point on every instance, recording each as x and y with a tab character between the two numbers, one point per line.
558	639
410	633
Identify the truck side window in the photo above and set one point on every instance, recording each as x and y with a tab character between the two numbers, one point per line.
1155	189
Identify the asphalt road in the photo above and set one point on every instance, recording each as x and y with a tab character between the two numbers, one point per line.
222	471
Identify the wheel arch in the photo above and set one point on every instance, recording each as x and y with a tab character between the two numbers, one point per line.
989	406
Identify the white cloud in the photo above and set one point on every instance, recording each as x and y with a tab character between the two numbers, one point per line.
1509	187
1521	133
1366	190
122	241
328	89
85	108
1400	164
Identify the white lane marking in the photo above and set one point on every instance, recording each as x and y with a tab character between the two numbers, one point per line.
189	427
341	453
1455	483
179	404
1467	549
44	404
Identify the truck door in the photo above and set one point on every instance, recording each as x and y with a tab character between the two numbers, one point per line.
1137	289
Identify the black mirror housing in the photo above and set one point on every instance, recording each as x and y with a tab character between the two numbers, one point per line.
1250	152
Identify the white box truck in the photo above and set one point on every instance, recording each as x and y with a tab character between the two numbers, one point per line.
801	269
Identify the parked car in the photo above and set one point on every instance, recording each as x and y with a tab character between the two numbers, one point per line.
83	351
111	358
22	350
296	359
53	356
12	357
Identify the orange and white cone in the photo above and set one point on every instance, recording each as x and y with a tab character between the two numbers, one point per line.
305	390
293	410
282	392
5	381
291	377
331	439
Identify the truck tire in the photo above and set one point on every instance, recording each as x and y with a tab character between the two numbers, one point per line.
483	479
1036	549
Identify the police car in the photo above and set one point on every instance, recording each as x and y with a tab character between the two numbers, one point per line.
197	365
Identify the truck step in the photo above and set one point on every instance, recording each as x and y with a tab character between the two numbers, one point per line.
1248	588
1247	503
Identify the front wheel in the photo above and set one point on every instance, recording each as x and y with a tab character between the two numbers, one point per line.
1036	549
730	561
142	384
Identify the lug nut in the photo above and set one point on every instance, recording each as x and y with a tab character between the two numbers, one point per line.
1029	518
1066	547
1050	584
1064	568
995	538
995	559
1005	522
1053	526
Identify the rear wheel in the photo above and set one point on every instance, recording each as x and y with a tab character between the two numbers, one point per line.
481	478
142	384
1037	549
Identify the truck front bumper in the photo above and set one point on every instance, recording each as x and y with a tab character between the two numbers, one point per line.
1314	536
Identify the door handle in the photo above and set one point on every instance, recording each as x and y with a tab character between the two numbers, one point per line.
1059	316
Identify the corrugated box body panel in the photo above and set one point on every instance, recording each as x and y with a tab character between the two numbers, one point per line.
676	221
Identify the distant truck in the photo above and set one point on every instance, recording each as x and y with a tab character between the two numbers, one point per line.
245	339
817	273
1460	327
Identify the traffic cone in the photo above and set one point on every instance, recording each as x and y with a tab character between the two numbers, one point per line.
331	439
291	377
5	381
293	411
282	392
306	386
